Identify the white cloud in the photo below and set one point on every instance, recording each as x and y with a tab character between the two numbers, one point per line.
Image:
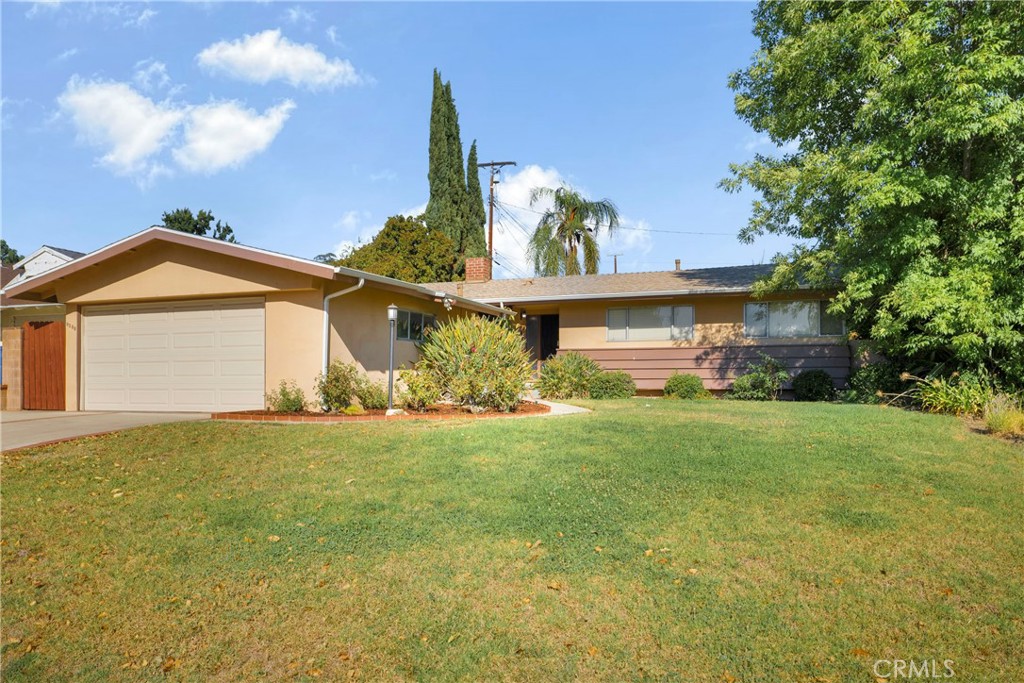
299	16
130	127
221	135
332	35
42	7
151	74
67	54
268	56
141	19
357	230
385	174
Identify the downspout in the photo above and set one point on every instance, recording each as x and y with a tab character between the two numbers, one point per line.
327	319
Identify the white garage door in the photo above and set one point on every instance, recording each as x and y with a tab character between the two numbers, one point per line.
182	356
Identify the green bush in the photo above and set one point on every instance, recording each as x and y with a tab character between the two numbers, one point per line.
1004	415
420	392
567	376
287	398
371	396
959	394
477	362
338	386
685	386
353	410
814	385
616	384
871	382
763	381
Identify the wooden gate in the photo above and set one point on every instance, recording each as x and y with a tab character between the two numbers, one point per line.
42	365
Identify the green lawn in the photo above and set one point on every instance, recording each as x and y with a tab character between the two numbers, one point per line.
650	540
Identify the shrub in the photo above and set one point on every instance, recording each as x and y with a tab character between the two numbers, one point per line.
762	383
959	394
617	384
814	385
685	386
338	386
353	410
420	390
1004	415
371	396
870	382
567	376
287	398
477	362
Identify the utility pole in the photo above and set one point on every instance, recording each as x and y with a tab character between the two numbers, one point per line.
615	258
495	167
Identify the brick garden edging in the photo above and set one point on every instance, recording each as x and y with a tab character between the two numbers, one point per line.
256	417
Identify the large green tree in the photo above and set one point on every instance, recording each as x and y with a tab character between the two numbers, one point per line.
408	250
905	186
200	224
8	255
453	204
476	241
568	231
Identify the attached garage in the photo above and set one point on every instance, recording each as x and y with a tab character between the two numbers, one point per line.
177	356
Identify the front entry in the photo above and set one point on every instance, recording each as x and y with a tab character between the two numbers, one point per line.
42	363
541	337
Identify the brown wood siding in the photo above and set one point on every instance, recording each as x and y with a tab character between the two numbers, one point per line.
717	366
43	365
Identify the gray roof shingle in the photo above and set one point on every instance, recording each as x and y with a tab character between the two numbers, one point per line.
694	281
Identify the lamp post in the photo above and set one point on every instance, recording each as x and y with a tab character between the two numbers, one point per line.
392	319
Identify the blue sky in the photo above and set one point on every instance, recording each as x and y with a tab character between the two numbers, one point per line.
306	125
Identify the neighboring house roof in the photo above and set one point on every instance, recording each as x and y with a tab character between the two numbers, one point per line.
59	252
733	279
7	274
314	268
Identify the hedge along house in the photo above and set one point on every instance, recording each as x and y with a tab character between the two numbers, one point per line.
702	321
168	321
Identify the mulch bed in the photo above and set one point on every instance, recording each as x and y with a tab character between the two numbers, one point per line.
442	411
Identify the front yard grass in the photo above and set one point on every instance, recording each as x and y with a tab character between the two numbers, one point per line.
650	540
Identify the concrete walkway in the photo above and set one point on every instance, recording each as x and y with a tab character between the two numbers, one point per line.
563	408
21	428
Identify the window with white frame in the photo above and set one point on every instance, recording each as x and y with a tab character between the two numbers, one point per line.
411	325
779	319
650	323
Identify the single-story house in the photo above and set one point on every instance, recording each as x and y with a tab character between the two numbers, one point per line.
168	321
703	321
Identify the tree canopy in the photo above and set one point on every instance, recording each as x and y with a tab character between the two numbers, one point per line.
8	255
452	208
408	250
906	122
200	224
570	227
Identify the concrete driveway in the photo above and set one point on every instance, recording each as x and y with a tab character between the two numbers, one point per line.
22	428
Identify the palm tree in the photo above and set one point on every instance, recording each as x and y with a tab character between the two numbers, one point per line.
570	226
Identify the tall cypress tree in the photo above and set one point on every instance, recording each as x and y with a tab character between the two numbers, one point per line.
441	213
476	242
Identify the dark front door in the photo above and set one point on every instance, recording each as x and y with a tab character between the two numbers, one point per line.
542	336
42	365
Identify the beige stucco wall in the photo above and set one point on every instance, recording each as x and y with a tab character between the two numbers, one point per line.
294	341
11	337
359	328
72	354
160	270
717	320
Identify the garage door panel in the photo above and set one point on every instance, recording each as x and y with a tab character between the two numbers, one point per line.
148	369
189	356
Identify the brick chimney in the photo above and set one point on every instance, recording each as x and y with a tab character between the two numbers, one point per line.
678	263
478	269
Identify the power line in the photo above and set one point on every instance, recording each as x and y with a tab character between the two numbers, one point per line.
623	227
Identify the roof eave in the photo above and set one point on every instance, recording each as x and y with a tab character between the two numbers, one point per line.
463	302
621	295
